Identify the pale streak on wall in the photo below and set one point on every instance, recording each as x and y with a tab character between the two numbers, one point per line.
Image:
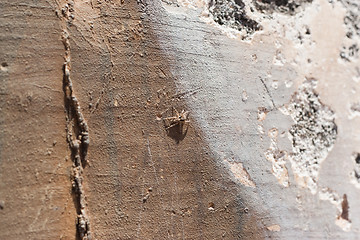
205	58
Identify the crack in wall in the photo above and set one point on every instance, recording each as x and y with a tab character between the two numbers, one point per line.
77	131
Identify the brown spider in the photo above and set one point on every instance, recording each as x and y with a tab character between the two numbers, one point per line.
177	119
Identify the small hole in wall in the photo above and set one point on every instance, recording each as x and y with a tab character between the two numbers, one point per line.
4	66
357	158
211	206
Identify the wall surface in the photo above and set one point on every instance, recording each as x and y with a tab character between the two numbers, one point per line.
94	142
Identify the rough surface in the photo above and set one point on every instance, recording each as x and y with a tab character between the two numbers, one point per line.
313	134
256	78
35	168
224	168
282	6
231	13
350	49
77	130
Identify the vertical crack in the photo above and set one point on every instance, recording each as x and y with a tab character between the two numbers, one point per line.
77	132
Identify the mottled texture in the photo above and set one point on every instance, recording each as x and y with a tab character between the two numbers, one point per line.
226	172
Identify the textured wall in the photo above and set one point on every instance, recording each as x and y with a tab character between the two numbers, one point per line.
90	149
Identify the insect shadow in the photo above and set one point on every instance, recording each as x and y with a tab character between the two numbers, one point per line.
177	124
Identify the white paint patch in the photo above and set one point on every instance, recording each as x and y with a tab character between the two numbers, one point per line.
274	228
244	96
241	174
327	194
344	224
277	158
193	4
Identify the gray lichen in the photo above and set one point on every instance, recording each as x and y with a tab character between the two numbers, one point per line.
231	13
350	49
290	7
312	135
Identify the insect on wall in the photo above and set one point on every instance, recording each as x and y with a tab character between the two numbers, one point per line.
176	123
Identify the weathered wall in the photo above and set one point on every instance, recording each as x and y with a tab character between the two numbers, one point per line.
35	186
271	149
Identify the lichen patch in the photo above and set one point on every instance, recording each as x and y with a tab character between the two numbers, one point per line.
312	135
231	13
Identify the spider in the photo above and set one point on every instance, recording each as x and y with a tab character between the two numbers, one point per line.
177	119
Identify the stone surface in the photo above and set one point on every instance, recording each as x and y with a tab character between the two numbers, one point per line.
264	152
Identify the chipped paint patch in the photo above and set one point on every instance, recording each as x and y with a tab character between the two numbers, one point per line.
343	224
277	158
274	228
343	220
342	206
241	174
327	194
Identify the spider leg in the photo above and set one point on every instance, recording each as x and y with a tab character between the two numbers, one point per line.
172	125
170	118
170	122
184	127
176	112
186	114
162	113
